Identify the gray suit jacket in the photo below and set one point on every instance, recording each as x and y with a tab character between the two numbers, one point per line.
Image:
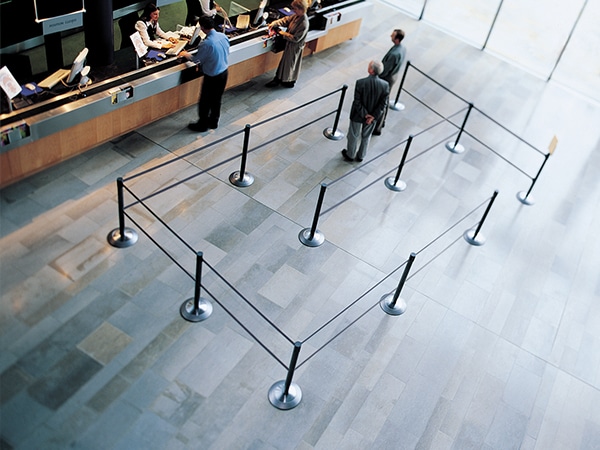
370	97
392	61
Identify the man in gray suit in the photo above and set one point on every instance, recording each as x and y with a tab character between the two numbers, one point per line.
392	61
370	99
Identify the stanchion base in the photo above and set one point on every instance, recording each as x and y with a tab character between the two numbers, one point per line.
524	198
317	239
397	106
189	313
130	237
470	237
281	401
454	148
238	181
334	136
398	187
387	304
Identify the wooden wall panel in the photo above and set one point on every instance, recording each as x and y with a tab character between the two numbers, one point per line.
338	35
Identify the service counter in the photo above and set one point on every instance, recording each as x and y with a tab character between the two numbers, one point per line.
46	133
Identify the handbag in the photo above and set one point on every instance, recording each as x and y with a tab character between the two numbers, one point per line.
278	44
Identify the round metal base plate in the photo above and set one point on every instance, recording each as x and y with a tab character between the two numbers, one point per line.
526	200
469	236
238	181
317	239
278	400
397	106
329	134
392	309
398	187
130	237
454	148
189	313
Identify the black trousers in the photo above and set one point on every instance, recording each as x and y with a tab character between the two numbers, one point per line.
209	104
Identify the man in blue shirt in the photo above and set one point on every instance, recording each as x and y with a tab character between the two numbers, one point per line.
213	55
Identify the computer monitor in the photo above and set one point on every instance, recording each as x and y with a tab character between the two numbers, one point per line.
234	8
195	35
258	19
77	66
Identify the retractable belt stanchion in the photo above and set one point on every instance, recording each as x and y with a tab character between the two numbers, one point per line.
396	105
392	304
396	184
333	133
311	237
472	236
197	308
122	237
524	196
241	178
455	147
285	394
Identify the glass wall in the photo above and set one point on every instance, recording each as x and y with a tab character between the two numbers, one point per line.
413	8
579	65
553	39
532	33
469	20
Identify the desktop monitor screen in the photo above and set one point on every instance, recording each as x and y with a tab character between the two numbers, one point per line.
258	18
195	35
77	65
236	7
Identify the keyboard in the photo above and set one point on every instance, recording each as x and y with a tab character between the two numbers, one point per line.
52	80
174	51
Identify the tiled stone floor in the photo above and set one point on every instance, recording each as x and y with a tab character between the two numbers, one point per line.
498	347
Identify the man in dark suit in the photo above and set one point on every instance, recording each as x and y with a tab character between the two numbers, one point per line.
370	99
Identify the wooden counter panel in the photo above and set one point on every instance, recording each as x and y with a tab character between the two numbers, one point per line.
46	152
338	35
245	71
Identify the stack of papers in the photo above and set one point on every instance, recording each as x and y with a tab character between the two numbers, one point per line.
243	22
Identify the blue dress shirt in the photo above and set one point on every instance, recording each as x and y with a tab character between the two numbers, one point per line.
213	53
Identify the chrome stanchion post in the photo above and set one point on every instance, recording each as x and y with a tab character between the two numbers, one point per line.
122	237
311	237
455	147
285	394
397	106
472	236
241	178
523	196
391	303
333	133
198	308
396	184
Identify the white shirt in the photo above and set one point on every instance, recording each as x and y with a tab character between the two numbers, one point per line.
142	27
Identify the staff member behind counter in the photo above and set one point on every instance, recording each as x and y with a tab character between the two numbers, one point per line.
150	30
201	8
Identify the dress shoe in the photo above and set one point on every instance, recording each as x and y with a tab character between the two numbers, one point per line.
273	83
345	156
288	84
358	159
197	126
376	133
213	125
